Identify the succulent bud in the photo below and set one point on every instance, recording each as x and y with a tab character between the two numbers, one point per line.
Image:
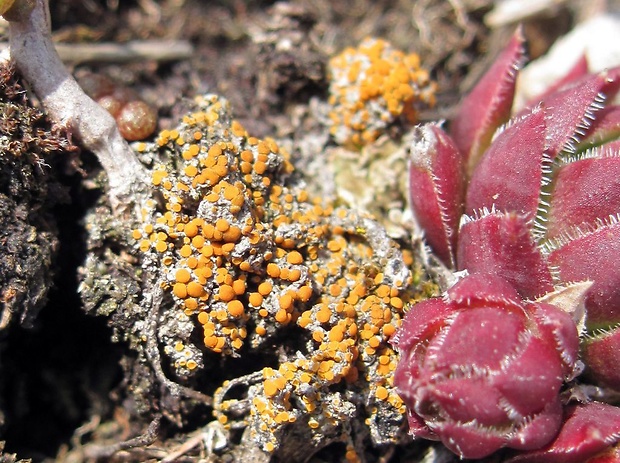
481	368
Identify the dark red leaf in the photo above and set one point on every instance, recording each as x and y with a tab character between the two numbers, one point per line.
437	187
587	430
488	105
586	190
602	355
501	244
592	255
510	174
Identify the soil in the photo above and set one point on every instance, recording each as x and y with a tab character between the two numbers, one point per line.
61	375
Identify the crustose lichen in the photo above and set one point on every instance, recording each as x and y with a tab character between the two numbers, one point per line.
247	256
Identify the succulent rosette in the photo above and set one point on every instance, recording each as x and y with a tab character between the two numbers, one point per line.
525	205
479	396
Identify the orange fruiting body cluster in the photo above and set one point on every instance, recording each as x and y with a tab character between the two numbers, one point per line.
371	87
247	256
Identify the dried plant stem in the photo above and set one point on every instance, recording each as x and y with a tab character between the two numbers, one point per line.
136	50
65	102
100	452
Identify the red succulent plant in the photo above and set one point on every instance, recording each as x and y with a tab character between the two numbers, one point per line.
527	207
446	378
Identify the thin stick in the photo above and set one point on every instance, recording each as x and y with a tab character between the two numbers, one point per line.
136	50
106	451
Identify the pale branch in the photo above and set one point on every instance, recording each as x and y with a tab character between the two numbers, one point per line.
33	52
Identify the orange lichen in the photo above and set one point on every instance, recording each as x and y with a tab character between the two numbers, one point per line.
249	255
372	86
235	308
